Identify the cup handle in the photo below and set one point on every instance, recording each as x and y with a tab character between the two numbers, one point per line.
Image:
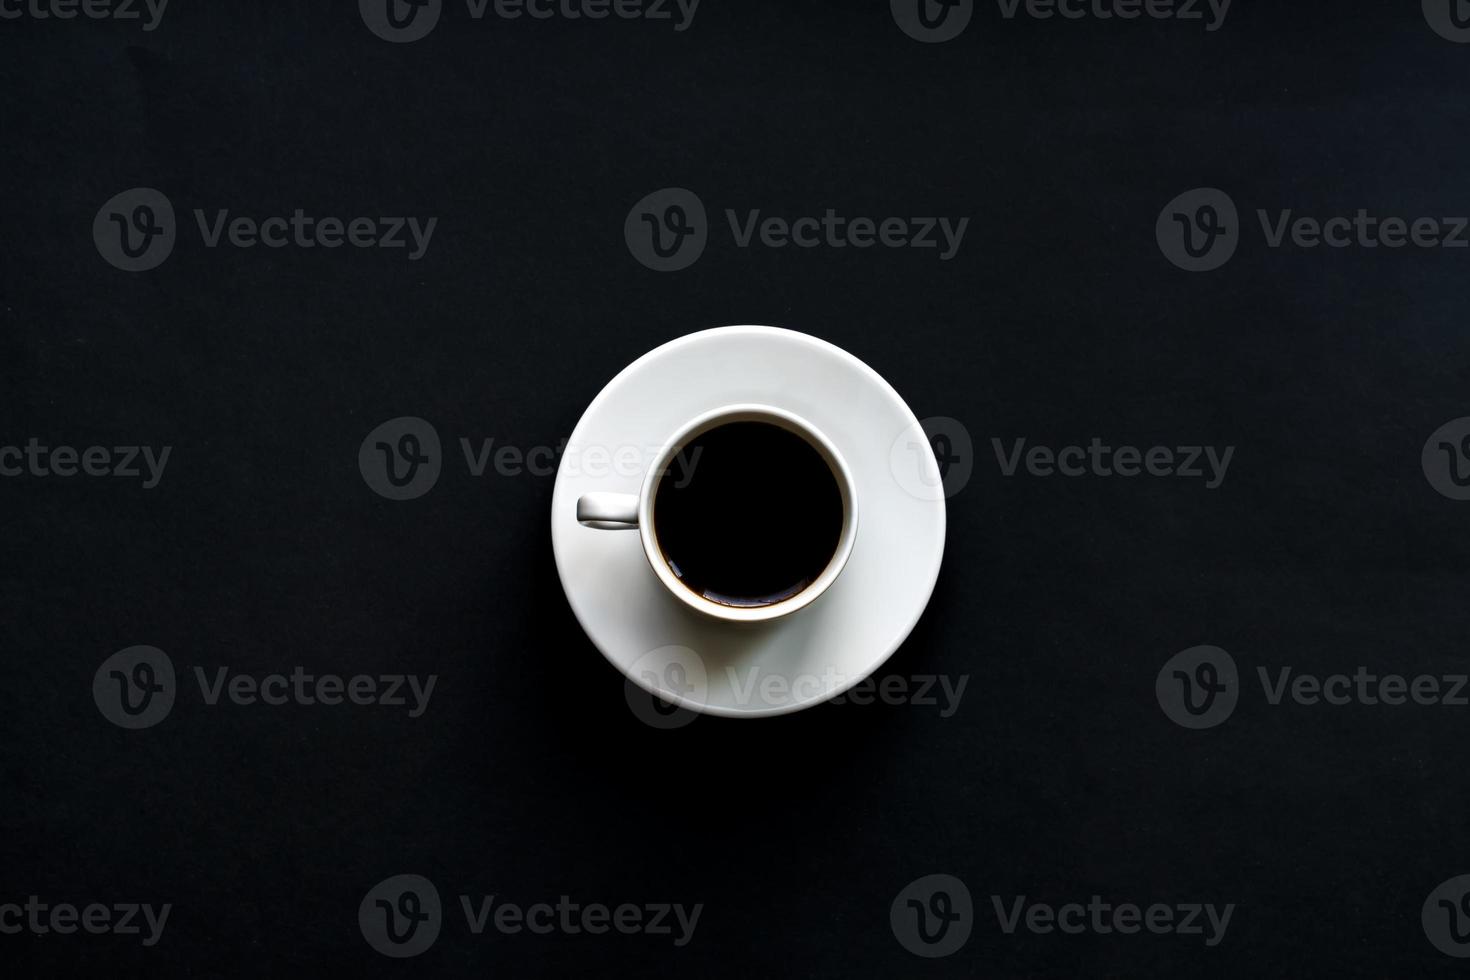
608	511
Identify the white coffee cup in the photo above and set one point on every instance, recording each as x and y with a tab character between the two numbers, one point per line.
624	511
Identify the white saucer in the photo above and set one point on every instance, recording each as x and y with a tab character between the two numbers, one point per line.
791	663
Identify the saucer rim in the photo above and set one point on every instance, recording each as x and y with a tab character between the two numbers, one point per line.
721	711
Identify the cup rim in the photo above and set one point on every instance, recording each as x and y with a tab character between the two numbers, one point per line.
790	421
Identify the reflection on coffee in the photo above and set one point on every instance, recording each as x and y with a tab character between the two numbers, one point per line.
756	521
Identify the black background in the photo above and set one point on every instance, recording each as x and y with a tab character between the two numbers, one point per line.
528	777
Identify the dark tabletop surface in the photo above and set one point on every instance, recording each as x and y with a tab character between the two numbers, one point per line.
1065	314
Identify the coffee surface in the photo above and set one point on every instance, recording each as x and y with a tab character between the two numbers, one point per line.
751	517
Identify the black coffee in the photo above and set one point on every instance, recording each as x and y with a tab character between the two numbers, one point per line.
748	514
